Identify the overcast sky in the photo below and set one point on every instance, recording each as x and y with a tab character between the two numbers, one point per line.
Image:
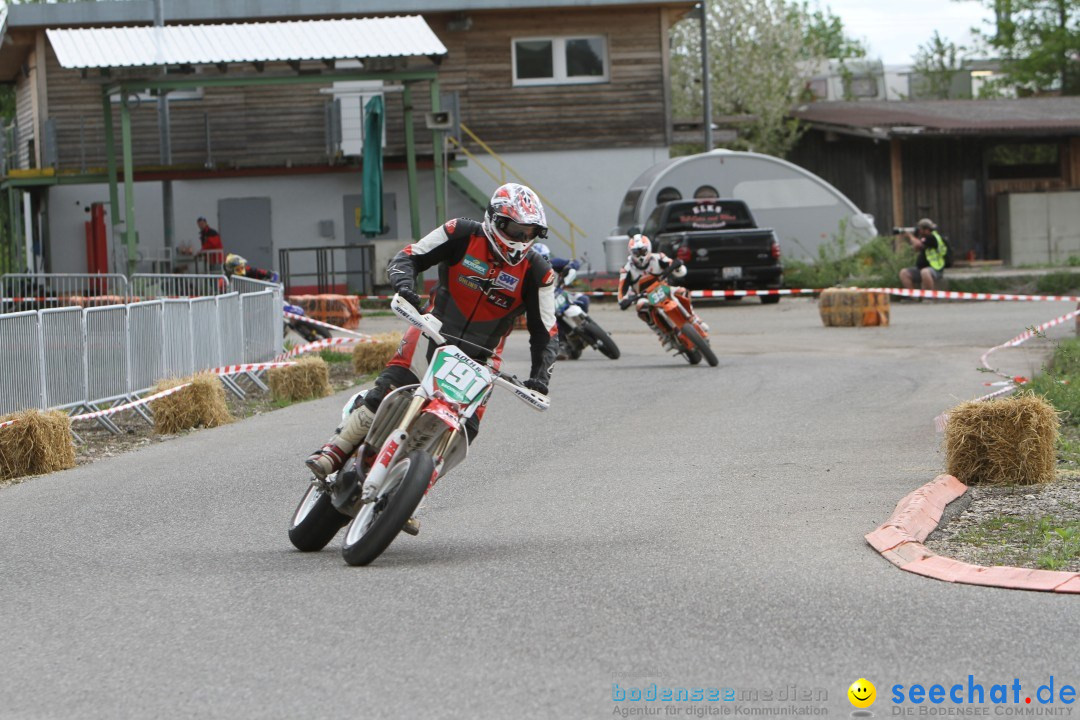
894	29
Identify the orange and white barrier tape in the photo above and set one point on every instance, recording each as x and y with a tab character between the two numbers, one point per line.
130	405
320	323
319	345
950	295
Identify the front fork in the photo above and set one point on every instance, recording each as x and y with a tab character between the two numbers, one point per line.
390	452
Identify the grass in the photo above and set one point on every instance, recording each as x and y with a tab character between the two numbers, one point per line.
333	356
874	263
1046	543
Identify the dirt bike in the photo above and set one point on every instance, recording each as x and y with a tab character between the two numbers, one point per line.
577	330
306	330
679	329
417	437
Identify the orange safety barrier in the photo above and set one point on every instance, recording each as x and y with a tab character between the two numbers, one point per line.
340	310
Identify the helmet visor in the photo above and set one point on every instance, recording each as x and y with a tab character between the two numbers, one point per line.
517	232
640	251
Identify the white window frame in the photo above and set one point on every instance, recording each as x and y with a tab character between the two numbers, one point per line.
558	50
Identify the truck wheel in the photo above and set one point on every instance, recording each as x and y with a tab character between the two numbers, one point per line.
770	299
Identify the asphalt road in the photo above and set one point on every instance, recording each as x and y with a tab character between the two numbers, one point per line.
689	527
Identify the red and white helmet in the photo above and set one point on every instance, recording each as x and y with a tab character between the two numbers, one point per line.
514	221
640	249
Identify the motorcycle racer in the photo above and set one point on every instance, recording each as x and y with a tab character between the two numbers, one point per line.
644	262
488	276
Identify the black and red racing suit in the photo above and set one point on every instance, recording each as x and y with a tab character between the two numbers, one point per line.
478	297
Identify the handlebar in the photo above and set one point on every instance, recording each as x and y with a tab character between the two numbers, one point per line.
430	326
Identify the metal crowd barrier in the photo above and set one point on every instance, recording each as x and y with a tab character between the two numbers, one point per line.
22	377
32	291
150	287
72	358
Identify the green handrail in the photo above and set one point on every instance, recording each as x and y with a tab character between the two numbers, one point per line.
501	178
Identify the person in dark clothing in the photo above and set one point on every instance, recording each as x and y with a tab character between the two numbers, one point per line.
488	277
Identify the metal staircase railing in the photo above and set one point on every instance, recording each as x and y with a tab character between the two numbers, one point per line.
506	173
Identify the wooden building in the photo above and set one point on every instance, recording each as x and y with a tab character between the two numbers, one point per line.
571	94
954	161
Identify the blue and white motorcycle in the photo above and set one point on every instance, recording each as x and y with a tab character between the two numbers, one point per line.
577	330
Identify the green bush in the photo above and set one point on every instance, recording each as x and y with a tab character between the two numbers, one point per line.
1060	382
1058	283
980	284
873	263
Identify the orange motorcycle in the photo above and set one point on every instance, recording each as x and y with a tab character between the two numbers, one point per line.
679	329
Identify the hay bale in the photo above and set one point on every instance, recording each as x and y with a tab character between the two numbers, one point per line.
1007	441
841	307
309	378
38	443
202	404
372	357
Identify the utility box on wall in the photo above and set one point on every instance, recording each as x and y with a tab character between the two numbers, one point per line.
1038	228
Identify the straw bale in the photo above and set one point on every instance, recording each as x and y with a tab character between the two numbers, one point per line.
371	357
309	378
1007	441
38	443
202	404
841	307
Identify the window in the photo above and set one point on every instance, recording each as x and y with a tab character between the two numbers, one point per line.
628	209
560	60
706	192
351	98
668	194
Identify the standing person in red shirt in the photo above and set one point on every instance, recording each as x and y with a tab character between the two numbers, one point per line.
212	249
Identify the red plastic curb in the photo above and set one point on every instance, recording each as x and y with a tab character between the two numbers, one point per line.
899	540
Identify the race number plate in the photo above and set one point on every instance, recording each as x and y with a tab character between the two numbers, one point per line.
460	378
732	273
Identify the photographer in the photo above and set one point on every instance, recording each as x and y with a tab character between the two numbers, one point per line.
930	265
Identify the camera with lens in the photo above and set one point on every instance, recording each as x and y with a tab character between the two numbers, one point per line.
902	230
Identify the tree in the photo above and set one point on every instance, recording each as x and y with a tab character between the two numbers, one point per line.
937	63
1039	42
758	51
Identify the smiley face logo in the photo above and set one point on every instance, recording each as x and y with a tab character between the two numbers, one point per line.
862	693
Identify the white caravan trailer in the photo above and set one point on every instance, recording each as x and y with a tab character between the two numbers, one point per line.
804	210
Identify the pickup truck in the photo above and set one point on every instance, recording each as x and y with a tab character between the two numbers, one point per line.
721	245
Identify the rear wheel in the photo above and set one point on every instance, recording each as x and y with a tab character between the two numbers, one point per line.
770	299
316	521
600	340
379	522
702	345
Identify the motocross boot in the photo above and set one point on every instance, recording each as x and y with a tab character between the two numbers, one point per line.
330	457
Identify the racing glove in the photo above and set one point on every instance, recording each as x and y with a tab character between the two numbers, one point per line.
537	385
409	295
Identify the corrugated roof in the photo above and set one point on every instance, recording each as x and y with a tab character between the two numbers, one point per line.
948	117
244	42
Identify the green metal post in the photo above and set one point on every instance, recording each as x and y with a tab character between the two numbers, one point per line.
15	208
130	238
410	162
437	149
110	155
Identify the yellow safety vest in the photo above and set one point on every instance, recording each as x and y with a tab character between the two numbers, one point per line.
936	255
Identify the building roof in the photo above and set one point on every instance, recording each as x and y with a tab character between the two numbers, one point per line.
244	42
117	12
1027	116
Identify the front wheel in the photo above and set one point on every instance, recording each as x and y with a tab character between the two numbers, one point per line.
770	299
600	340
316	521
691	334
379	522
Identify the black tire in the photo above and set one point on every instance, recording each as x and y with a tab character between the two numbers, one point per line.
691	334
324	333
770	299
390	513
600	339
315	522
693	356
734	298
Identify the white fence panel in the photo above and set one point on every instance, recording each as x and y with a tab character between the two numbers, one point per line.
205	340
262	327
107	353
177	360
21	381
64	337
231	323
146	329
